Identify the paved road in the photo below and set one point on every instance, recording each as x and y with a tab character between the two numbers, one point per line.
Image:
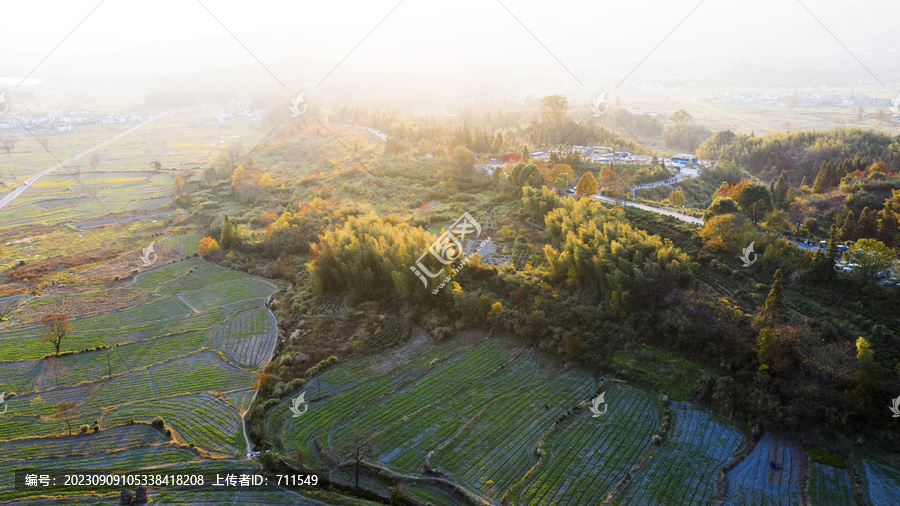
671	180
18	191
682	217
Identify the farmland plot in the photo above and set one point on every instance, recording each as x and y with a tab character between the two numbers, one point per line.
430	495
152	279
220	294
303	435
498	445
445	378
240	399
164	309
187	243
96	365
198	373
202	274
200	419
405	444
882	483
41	403
25	344
18	376
247	337
100	442
769	475
586	456
125	460
217	497
14	426
306	434
828	485
686	467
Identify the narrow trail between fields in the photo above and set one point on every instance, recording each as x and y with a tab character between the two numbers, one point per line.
271	356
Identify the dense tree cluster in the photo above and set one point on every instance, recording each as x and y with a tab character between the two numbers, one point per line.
370	256
801	153
594	249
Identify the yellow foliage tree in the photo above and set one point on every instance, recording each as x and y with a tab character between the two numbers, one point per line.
208	247
587	185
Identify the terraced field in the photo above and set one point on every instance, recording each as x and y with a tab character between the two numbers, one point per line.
688	463
493	423
164	360
247	337
587	455
515	424
204	420
828	485
476	416
769	475
881	482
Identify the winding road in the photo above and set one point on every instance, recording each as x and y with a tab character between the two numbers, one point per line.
18	191
682	217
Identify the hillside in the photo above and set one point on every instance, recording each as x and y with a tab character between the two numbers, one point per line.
488	419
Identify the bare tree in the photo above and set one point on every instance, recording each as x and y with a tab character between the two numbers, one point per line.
555	112
209	174
66	411
57	368
232	154
8	144
357	445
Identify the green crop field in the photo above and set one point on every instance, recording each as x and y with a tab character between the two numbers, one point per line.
828	485
881	482
497	423
688	463
770	474
163	360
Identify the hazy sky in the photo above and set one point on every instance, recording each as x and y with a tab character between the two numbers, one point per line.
590	43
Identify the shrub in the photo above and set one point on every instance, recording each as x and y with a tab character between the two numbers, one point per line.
828	459
83	429
158	423
294	384
168	433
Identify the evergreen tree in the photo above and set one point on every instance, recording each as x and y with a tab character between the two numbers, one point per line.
848	228
781	189
867	370
827	177
867	226
230	237
775	299
887	228
833	252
